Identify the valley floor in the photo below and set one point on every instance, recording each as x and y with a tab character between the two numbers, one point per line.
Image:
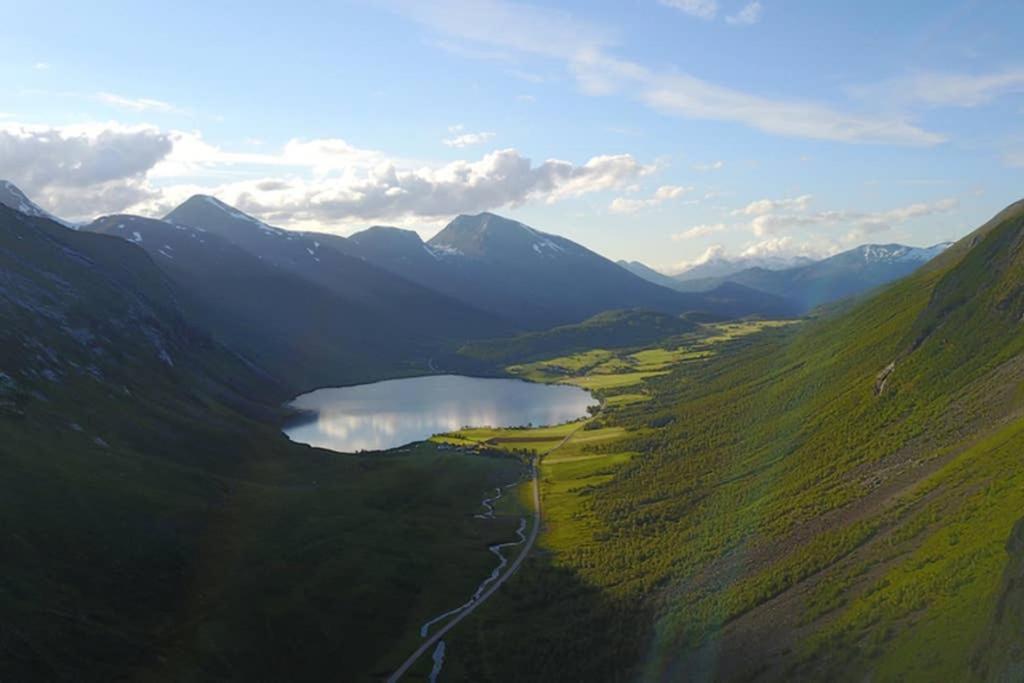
677	548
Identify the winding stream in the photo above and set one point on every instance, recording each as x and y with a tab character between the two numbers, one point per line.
488	505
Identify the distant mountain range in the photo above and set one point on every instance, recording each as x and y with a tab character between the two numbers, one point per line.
815	282
722	267
323	309
533	278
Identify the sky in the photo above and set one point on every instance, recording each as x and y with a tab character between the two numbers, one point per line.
665	131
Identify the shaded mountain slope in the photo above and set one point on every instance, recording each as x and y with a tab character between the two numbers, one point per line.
290	326
324	259
646	272
534	278
158	526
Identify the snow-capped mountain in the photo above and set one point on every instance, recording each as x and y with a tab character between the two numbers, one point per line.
722	267
14	198
898	253
534	278
836	277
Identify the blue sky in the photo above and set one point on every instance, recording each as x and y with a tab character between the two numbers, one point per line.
661	130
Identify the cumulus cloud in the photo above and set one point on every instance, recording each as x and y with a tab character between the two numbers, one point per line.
702	9
75	169
749	14
375	188
702	230
715	252
81	171
763	206
661	195
786	248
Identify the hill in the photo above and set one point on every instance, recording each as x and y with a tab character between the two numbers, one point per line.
835	500
612	329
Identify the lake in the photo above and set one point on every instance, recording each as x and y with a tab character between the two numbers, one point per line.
383	415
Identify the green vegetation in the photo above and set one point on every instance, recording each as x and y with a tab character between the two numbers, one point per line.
829	501
158	526
611	329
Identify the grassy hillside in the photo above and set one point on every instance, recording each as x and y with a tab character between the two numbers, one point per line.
830	501
157	528
613	329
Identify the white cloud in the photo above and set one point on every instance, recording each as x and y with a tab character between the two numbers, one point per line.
386	192
41	66
750	14
467	139
763	206
77	169
670	192
661	195
506	25
584	48
713	253
81	171
691	97
786	248
774	215
710	166
939	89
528	99
699	231
703	9
135	103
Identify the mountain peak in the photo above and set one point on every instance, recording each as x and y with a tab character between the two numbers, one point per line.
12	197
205	211
380	233
888	253
490	236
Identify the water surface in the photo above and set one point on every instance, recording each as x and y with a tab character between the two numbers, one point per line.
383	415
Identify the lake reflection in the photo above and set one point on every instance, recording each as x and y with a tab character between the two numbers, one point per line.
384	415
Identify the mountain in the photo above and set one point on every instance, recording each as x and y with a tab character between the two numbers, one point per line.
721	267
324	260
837	277
841	499
157	523
650	274
534	278
290	326
14	198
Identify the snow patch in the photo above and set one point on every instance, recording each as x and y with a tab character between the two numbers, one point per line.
439	250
